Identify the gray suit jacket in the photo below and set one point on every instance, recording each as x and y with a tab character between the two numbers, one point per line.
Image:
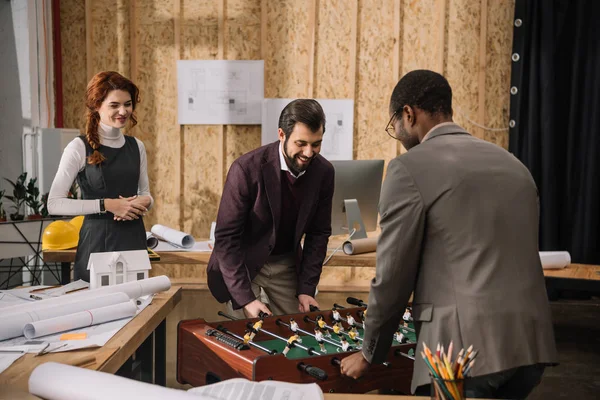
459	226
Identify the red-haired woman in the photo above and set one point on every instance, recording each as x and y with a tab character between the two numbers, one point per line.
111	170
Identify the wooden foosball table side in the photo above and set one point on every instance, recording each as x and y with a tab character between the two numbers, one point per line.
203	360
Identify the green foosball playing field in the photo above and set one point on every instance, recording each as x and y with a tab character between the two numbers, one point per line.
310	341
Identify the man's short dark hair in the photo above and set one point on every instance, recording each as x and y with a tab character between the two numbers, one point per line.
424	89
307	111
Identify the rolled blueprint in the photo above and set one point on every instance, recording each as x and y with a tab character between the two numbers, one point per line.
174	237
12	324
555	259
151	240
133	290
81	319
54	381
359	246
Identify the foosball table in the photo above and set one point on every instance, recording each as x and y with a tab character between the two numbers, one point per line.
297	348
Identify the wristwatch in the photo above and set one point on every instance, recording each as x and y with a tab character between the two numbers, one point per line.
102	209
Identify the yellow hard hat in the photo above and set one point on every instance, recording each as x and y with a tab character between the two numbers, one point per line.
77	222
60	235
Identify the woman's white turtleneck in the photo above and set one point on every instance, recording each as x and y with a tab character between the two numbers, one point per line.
73	161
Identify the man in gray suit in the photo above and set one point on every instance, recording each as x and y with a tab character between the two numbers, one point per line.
459	227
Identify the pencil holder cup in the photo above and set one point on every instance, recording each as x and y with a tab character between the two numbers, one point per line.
447	389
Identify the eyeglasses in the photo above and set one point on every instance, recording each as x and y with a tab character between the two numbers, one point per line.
389	129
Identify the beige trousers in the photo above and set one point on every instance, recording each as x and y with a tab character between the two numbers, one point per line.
275	285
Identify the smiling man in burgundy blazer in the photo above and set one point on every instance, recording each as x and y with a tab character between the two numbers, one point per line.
272	197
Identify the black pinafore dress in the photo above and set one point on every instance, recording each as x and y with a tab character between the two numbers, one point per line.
117	176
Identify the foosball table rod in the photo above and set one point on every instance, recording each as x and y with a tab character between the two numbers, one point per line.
280	322
328	327
309	350
227	331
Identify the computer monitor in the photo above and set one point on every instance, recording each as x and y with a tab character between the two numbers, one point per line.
356	196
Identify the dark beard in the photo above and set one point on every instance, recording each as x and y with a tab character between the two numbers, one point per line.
291	161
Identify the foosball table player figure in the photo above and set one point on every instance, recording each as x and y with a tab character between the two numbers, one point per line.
323	325
255	328
294	328
353	334
350	320
337	329
290	343
247	336
345	344
335	314
319	339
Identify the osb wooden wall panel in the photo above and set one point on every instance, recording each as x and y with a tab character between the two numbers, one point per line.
110	36
156	76
72	32
287	48
463	60
500	17
375	80
391	38
334	60
420	35
202	144
242	42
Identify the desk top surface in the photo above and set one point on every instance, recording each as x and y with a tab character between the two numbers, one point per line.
339	259
108	358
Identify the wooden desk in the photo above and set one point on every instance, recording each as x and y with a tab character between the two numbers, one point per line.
146	332
574	276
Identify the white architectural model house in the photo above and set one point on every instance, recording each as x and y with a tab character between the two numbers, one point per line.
116	267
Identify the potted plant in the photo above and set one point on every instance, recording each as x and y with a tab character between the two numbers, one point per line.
18	197
44	209
33	199
2	213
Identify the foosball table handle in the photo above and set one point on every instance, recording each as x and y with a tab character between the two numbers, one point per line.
313	308
356	302
263	315
315	372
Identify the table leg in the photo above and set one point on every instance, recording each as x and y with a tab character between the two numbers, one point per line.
160	354
65	273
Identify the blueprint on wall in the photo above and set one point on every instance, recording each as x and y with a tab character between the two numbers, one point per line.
215	92
339	126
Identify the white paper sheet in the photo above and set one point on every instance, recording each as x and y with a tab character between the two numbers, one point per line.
133	290
61	290
172	236
13	323
219	92
21	293
8	300
199	247
97	336
339	126
82	319
238	388
555	259
9	357
54	381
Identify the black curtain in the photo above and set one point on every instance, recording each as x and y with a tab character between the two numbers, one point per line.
555	118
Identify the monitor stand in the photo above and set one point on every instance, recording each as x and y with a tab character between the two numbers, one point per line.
354	219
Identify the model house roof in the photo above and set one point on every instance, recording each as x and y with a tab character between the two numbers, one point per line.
133	260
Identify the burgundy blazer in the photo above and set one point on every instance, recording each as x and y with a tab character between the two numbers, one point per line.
248	220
